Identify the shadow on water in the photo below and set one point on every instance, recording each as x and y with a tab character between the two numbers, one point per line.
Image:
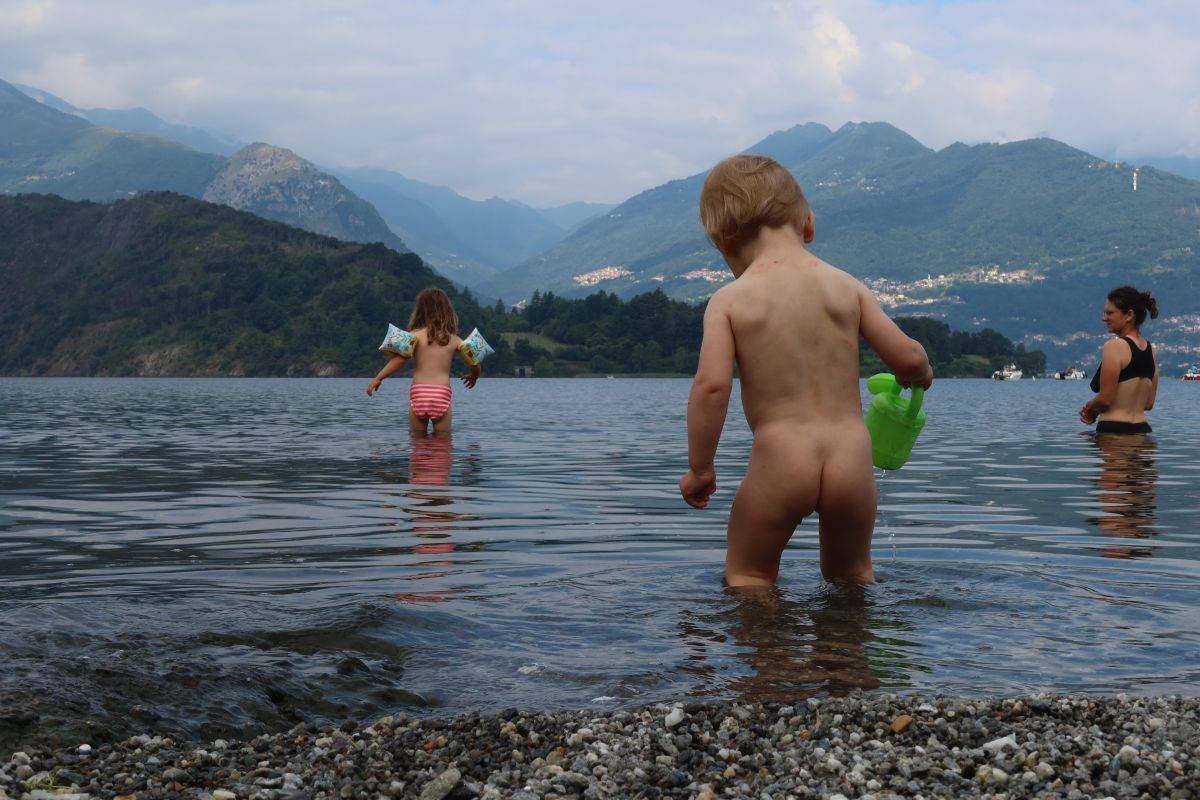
1125	489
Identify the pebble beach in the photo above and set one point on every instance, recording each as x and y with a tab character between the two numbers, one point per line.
870	746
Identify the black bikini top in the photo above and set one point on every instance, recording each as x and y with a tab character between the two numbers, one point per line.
1141	365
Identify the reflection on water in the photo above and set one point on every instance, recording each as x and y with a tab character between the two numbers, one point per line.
1125	488
283	552
786	648
429	513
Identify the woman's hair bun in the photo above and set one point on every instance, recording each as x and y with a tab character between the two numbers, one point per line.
1151	304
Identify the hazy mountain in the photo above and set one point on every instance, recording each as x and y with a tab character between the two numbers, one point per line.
277	184
1028	236
470	240
44	149
140	120
571	215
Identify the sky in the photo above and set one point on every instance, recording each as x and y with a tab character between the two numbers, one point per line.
553	102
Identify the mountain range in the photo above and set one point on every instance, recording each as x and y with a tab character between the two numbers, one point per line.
470	241
1026	237
464	239
46	150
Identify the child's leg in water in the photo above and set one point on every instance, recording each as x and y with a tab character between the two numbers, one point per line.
788	478
417	424
778	492
442	426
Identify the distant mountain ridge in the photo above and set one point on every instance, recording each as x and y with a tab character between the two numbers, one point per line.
277	184
140	120
46	150
466	240
469	240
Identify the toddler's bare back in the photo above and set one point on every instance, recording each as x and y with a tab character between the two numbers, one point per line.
795	323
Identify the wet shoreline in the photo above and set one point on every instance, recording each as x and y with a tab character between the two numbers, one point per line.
860	746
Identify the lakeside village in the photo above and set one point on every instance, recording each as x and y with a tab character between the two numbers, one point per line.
931	291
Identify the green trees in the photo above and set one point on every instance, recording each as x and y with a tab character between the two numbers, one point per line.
964	354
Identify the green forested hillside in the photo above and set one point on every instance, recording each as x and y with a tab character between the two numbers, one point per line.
163	284
44	150
888	207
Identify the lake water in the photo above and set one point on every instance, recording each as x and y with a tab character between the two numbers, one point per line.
222	557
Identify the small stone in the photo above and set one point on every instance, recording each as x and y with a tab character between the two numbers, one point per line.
675	717
1044	771
223	794
1127	754
901	723
442	785
996	745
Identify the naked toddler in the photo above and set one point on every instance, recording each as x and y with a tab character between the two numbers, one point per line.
792	323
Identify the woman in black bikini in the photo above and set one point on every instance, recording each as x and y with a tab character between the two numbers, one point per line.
1127	380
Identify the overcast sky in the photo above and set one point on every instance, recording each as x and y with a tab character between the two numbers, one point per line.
549	102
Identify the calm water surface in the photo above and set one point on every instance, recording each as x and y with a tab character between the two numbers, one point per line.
222	557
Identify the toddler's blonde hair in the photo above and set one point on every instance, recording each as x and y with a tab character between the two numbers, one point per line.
746	193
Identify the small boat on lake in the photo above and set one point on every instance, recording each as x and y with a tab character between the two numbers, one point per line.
1193	373
1009	373
1071	374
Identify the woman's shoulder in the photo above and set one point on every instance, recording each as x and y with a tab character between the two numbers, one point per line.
1118	344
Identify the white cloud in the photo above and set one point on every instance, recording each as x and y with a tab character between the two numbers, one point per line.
594	100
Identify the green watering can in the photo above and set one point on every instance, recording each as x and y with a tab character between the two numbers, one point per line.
893	421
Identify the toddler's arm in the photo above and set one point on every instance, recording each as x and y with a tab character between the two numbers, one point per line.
905	356
708	403
469	380
390	368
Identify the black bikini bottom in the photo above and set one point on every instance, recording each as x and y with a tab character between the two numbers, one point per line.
1108	426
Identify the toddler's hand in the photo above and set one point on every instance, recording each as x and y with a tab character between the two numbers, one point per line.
373	386
696	488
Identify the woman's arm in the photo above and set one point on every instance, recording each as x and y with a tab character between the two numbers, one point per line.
1153	388
1110	371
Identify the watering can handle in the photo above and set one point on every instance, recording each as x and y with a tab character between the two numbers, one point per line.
914	405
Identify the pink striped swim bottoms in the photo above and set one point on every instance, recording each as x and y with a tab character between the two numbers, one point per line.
429	400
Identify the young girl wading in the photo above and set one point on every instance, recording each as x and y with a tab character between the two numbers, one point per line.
431	342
